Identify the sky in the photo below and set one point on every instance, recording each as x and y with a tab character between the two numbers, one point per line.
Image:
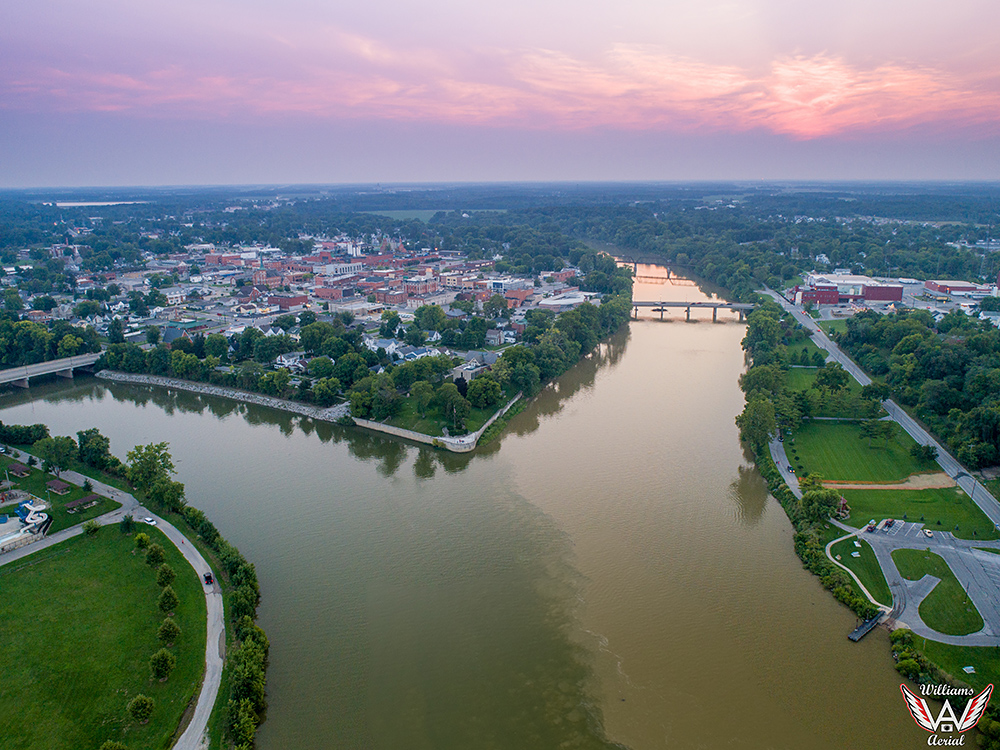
130	92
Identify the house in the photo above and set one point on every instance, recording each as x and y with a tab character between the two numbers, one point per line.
389	345
494	337
293	361
174	294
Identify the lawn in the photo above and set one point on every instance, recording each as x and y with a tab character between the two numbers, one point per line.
865	568
834	326
942	509
837	451
946	609
953	658
78	624
845	403
61	517
810	348
409	417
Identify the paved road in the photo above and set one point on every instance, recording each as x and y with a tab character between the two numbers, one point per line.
975	489
215	643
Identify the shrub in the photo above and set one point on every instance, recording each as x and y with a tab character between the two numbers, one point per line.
140	708
908	668
155	555
91	527
161	664
168	600
141	540
168	632
127	525
165	575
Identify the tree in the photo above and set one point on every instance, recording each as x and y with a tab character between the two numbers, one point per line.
484	392
875	392
165	575
326	391
495	306
140	708
57	452
285	322
168	600
453	404
141	540
813	481
148	464
320	367
414	336
925	454
127	525
832	377
820	504
91	527
162	664
422	393
757	422
306	317
155	555
216	345
168	631
116	331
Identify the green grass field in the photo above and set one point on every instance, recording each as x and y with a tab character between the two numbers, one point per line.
845	403
78	624
865	568
946	609
794	350
833	326
61	517
950	506
952	659
837	451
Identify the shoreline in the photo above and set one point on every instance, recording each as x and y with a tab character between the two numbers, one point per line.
460	444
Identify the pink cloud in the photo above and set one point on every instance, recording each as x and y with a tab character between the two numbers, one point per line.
631	87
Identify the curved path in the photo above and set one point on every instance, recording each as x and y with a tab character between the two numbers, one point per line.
215	643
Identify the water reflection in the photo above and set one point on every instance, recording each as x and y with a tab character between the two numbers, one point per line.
749	495
389	453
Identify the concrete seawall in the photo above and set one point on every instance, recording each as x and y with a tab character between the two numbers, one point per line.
460	444
330	414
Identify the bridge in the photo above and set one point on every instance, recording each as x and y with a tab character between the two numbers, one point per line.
741	307
62	367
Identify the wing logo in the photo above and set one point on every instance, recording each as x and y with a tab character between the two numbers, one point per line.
946	720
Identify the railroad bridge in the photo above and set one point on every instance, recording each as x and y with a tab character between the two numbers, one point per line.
741	307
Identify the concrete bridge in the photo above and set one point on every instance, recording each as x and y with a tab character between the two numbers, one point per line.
62	367
741	307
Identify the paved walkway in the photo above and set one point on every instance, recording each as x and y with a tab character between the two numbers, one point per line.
978	572
215	644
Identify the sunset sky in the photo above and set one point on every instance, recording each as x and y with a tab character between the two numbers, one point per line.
106	92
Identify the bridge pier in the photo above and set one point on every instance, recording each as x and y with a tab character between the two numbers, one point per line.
66	373
689	313
635	312
741	316
715	314
22	383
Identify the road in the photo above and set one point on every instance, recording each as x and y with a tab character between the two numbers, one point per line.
972	487
215	643
977	571
47	368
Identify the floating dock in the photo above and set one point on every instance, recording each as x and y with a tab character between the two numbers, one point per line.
865	628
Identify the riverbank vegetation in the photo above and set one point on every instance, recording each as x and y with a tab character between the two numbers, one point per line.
80	622
148	475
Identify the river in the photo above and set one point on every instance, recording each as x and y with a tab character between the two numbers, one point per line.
612	571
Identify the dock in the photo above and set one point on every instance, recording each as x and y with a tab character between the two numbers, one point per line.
865	628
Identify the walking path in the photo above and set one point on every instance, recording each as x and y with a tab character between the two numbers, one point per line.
972	487
215	643
978	572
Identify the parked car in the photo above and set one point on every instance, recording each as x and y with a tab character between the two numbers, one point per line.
209	580
928	533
